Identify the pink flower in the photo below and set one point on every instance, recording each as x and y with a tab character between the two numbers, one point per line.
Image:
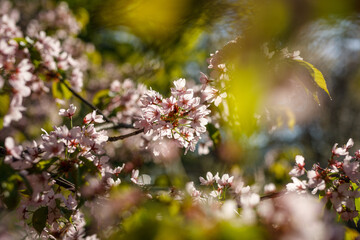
315	181
118	170
181	117
14	113
204	79
68	112
296	186
225	181
93	117
210	179
11	149
213	95
192	191
76	79
52	147
144	179
343	150
180	89
299	168
352	169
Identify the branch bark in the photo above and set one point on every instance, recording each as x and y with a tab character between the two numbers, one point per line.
121	137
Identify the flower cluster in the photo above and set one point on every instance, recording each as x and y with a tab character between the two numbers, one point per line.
61	20
338	182
49	165
181	117
125	100
26	62
217	80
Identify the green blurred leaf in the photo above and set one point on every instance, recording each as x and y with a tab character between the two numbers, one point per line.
357	205
10	195
5	104
82	16
214	134
60	91
39	219
43	165
351	234
10	182
100	96
66	212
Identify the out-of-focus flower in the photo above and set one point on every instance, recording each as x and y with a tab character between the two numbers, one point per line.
343	150
210	179
299	168
225	181
296	186
68	112
141	180
93	118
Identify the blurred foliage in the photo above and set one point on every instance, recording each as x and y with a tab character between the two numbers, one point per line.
158	41
181	221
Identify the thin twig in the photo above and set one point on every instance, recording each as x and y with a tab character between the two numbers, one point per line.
114	139
85	101
62	182
113	126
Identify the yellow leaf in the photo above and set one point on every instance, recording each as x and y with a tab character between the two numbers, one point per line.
316	75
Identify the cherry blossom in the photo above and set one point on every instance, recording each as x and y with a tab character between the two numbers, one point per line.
210	179
180	117
93	118
225	181
296	186
298	169
68	112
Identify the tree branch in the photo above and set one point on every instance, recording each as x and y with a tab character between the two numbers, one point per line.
121	137
272	195
113	126
84	100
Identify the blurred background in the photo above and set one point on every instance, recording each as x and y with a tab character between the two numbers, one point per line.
155	42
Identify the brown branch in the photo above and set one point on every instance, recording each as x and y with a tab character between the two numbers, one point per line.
107	126
85	101
121	137
272	195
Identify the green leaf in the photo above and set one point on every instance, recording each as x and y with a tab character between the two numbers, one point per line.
5	104
27	184
60	91
316	75
10	195
357	204
99	96
214	133
43	165
66	212
39	219
82	16
351	234
88	166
